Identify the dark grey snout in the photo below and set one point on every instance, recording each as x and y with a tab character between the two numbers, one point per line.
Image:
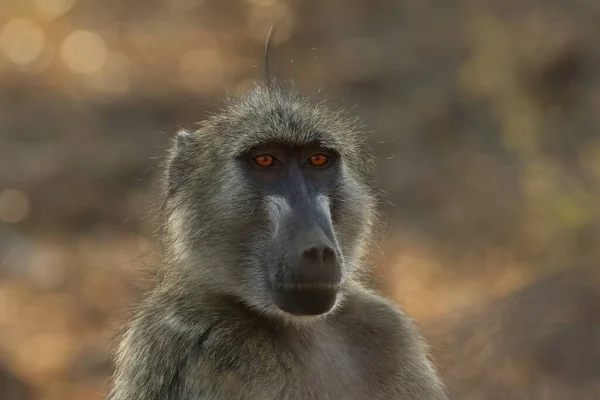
309	274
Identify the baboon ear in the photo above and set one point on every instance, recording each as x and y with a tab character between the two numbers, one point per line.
178	166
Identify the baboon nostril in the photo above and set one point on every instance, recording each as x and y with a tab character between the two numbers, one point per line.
319	255
328	255
311	254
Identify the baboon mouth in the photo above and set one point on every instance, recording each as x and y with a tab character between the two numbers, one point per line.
303	301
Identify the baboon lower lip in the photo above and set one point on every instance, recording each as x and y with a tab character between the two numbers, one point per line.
305	286
304	301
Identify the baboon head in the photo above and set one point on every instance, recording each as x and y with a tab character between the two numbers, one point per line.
271	201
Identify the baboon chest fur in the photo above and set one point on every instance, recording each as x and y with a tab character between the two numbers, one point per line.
269	211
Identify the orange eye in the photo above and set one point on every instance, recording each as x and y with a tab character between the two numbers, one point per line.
264	160
318	160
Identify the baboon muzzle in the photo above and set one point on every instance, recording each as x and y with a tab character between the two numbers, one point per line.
308	280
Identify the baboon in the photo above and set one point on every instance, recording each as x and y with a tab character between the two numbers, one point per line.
269	210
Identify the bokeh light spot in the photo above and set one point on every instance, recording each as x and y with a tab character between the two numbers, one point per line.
14	206
22	41
84	52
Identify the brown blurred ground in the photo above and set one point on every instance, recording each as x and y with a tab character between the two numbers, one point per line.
542	341
485	120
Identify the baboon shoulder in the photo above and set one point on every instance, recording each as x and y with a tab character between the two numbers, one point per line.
388	346
367	348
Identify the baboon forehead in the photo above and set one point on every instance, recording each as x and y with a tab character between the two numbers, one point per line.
285	136
287	119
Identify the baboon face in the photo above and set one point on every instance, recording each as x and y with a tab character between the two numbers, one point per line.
303	268
270	201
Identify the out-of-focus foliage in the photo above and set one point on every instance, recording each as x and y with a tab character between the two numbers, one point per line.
485	120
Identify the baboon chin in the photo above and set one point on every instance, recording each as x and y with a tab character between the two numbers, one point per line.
304	302
269	210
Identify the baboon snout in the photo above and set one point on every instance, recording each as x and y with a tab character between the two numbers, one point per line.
308	272
309	281
307	253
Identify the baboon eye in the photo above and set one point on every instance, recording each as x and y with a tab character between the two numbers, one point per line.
264	160
319	160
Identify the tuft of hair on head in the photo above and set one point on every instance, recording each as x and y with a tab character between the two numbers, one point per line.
271	80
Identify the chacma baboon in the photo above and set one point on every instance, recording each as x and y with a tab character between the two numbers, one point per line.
268	212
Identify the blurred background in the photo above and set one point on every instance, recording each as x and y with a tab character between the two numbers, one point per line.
485	121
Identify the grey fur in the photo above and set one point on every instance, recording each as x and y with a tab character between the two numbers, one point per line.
209	329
